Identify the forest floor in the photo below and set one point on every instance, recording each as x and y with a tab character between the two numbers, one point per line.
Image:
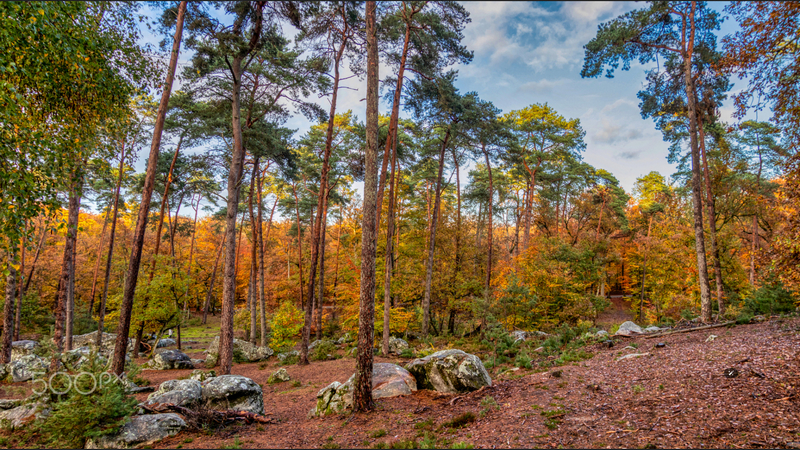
675	396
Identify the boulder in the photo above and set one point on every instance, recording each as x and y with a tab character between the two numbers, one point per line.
391	380
233	392
165	343
283	356
177	392
170	359
9	403
601	333
247	351
81	356
397	345
519	335
140	431
201	376
27	367
388	380
449	371
20	416
279	377
628	329
90	340
22	348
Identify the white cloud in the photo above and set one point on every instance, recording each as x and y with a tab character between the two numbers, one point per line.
542	86
612	133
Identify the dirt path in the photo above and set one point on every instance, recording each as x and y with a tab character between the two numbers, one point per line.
674	397
617	313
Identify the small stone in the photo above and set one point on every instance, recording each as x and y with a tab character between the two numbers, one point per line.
661	345
730	373
279	377
711	338
539	349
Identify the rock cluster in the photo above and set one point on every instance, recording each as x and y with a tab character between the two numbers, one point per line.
450	371
247	351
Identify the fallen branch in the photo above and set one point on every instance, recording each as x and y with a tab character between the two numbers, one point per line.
204	415
689	330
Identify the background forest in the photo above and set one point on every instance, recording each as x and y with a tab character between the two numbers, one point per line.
532	238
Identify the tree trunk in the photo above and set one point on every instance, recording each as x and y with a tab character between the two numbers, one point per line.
261	243
388	266
253	256
712	222
121	344
8	310
321	293
99	257
362	387
35	258
210	291
191	257
697	190
229	269
66	267
488	280
299	247
426	301
69	326
114	211
18	305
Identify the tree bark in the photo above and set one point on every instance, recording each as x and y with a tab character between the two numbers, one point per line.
261	243
8	310
115	209
387	276
18	305
321	293
697	190
489	233
712	223
426	301
66	267
100	247
132	275
253	256
210	291
362	388
70	322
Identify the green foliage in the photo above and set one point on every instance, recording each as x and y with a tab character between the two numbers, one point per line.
378	433
488	403
523	360
322	350
407	353
460	421
286	323
500	342
770	299
76	416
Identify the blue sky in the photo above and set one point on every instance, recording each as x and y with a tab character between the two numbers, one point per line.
532	52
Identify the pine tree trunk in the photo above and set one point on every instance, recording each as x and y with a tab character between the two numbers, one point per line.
253	257
115	210
697	190
362	387
210	291
388	266
8	310
488	280
712	223
426	301
18	304
35	258
71	296
261	243
132	274
321	293
66	268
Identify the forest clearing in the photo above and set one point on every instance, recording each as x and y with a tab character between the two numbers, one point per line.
203	245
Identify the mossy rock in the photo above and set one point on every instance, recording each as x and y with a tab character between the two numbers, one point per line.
450	371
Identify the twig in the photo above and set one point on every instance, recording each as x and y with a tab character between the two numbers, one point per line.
689	330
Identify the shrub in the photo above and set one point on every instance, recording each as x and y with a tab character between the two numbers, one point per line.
407	353
77	417
322	350
500	342
523	360
286	323
770	299
460	421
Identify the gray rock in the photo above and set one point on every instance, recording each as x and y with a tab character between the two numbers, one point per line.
177	392
541	333
758	319
90	340
9	403
141	430
388	380
170	359
21	415
81	357
391	380
27	367
22	348
279	377
632	355
652	329
449	371
602	333
233	392
247	351
198	362
397	345
628	329
165	343
283	356
344	339
201	376
519	335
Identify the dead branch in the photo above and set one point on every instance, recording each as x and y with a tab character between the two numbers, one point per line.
689	330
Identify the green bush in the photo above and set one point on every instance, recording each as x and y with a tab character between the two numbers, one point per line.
501	344
83	413
770	299
523	360
322	350
407	353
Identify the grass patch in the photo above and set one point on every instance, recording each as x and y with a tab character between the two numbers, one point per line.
460	421
378	433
